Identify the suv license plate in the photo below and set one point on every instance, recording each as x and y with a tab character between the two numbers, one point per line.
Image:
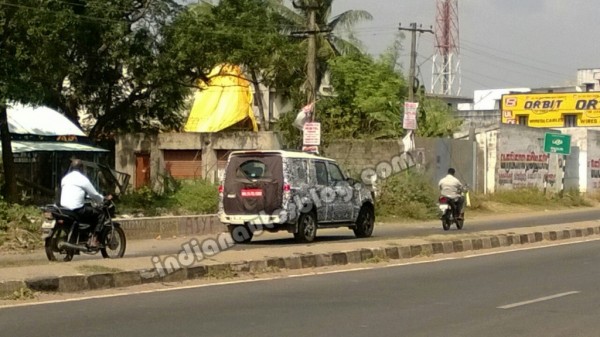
252	192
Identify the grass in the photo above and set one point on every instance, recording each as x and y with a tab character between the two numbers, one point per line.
221	273
185	197
21	295
96	269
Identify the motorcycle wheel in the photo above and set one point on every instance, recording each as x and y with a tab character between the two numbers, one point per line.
445	222
114	243
51	246
459	224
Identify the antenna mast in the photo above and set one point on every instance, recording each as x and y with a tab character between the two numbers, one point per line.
445	76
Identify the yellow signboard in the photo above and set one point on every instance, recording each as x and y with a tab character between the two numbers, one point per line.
547	110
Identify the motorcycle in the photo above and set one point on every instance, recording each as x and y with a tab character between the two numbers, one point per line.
449	213
64	234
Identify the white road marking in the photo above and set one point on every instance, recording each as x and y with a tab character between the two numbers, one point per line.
515	249
541	299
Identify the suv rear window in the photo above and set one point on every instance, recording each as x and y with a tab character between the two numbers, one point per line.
252	169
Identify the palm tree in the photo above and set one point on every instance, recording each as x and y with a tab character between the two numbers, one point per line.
333	36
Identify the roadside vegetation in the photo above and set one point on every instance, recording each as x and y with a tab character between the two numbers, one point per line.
419	199
19	225
182	198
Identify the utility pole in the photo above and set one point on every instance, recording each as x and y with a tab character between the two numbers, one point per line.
413	56
311	55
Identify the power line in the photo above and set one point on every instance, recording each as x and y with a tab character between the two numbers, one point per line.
490	55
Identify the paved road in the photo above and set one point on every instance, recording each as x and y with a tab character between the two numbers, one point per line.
485	223
541	292
137	248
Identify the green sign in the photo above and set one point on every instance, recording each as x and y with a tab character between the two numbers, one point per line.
557	143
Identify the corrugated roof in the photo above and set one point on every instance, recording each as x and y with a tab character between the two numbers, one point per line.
41	121
23	146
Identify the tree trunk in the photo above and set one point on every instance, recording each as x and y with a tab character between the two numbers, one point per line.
10	180
261	108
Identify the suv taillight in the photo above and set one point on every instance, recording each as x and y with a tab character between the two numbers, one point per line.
287	187
221	189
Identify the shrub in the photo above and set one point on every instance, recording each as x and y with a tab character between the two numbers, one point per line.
408	194
197	197
143	200
572	198
184	197
19	226
529	196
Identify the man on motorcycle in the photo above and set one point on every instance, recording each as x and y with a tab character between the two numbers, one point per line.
75	187
452	188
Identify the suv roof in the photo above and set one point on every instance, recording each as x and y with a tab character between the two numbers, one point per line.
282	153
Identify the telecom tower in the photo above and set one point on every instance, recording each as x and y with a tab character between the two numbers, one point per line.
445	76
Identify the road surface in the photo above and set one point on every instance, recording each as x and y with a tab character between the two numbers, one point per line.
550	291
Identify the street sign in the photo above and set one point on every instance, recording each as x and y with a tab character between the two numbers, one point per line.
312	134
557	143
409	122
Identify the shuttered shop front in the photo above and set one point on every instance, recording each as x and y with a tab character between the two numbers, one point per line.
184	164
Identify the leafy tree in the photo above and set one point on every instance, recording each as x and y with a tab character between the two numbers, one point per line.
367	105
335	37
242	32
435	119
99	57
102	58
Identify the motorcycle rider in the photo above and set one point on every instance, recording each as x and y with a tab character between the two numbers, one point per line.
452	188
75	186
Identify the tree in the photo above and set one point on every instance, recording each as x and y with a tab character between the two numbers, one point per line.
333	36
103	58
92	56
435	119
368	104
241	32
15	66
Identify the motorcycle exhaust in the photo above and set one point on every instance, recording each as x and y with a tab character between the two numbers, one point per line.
67	245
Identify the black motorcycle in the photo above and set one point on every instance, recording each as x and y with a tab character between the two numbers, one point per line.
64	234
449	213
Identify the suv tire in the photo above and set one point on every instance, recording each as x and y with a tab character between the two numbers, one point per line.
240	233
307	228
365	222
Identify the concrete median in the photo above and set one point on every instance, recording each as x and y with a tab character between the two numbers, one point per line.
66	277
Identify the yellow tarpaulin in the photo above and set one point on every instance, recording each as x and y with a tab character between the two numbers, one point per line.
221	103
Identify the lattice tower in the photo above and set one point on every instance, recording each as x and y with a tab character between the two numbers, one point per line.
445	76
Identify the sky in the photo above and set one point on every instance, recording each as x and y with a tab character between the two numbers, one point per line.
503	43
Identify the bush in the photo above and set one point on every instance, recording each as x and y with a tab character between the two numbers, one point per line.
407	194
520	196
197	197
185	197
19	226
534	197
572	198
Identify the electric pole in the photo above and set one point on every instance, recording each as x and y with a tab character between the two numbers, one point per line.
413	56
311	55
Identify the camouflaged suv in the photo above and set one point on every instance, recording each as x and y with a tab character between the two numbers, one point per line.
293	191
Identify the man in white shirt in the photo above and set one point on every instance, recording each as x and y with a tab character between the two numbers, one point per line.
451	188
75	187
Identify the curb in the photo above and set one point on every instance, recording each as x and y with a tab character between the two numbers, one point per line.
77	283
